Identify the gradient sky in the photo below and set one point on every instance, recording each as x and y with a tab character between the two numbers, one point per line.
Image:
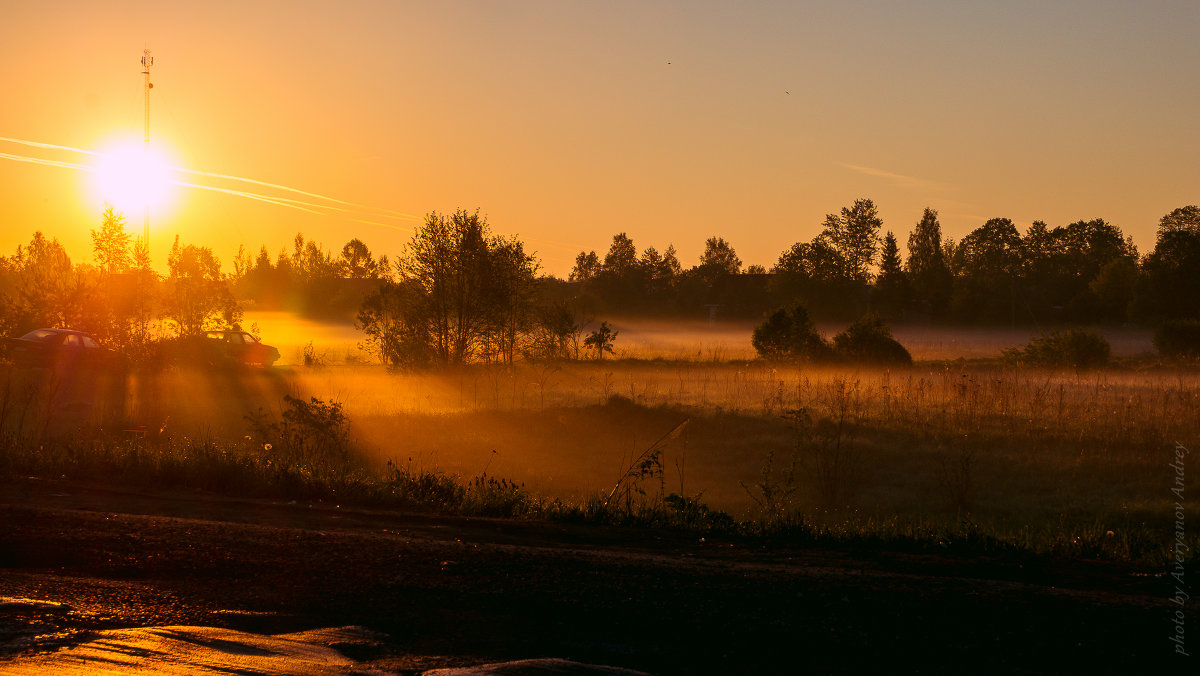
566	122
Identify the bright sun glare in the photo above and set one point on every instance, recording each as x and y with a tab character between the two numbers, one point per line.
131	178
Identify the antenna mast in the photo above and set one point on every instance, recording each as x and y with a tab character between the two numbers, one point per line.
147	61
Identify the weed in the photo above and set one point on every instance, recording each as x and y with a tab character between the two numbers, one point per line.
775	492
647	465
955	478
828	448
311	357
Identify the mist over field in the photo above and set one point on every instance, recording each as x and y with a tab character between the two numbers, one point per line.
571	430
692	340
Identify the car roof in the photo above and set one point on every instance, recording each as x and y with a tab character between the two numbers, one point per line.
42	334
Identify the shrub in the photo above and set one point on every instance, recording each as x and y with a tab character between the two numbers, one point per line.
1074	348
790	335
870	340
601	340
1178	339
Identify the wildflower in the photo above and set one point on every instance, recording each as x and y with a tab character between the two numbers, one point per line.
266	447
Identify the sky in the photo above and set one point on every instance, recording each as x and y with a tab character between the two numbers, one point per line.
567	122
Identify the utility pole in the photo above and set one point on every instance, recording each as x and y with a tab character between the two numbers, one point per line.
147	61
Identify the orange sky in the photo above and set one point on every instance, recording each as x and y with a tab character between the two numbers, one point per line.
566	122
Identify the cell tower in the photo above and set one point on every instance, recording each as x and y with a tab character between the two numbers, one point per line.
147	61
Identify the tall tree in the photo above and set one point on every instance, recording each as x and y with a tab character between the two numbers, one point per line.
141	255
587	266
198	298
621	257
512	276
356	261
44	289
1061	264
110	242
670	262
1170	286
854	234
890	293
990	261
1186	219
812	273
461	294
719	258
927	269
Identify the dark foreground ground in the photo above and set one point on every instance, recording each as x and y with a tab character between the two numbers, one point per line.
454	592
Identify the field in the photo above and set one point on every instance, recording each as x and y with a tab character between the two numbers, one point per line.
1072	463
682	509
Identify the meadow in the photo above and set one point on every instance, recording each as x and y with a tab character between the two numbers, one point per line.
948	450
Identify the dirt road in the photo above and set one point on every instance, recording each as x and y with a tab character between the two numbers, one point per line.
446	591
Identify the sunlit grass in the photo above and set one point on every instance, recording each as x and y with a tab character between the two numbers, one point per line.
975	451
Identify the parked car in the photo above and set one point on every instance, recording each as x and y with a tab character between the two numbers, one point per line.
61	349
243	348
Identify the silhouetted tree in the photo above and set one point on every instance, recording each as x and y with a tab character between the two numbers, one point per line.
43	290
110	242
1061	263
198	298
461	294
790	335
555	333
510	293
242	264
356	261
719	258
812	274
1183	219
601	340
890	294
394	319
854	234
621	257
988	265
927	269
659	274
1114	287
1170	284
587	266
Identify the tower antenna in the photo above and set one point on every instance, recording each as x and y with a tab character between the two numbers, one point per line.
147	61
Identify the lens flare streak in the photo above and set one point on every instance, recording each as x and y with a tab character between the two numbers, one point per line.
323	205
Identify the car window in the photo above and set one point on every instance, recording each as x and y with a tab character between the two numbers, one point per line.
249	339
235	338
72	340
88	342
40	335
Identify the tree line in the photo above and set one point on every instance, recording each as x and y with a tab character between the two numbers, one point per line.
119	298
460	293
1083	272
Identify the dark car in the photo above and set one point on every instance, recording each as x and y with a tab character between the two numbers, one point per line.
244	348
60	348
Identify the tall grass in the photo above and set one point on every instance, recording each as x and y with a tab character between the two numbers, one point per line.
988	455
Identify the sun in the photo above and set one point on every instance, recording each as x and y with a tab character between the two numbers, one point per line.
133	178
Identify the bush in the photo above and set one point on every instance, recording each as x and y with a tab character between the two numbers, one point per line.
870	340
1074	348
1178	339
790	335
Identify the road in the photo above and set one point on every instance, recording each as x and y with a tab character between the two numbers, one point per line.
450	592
